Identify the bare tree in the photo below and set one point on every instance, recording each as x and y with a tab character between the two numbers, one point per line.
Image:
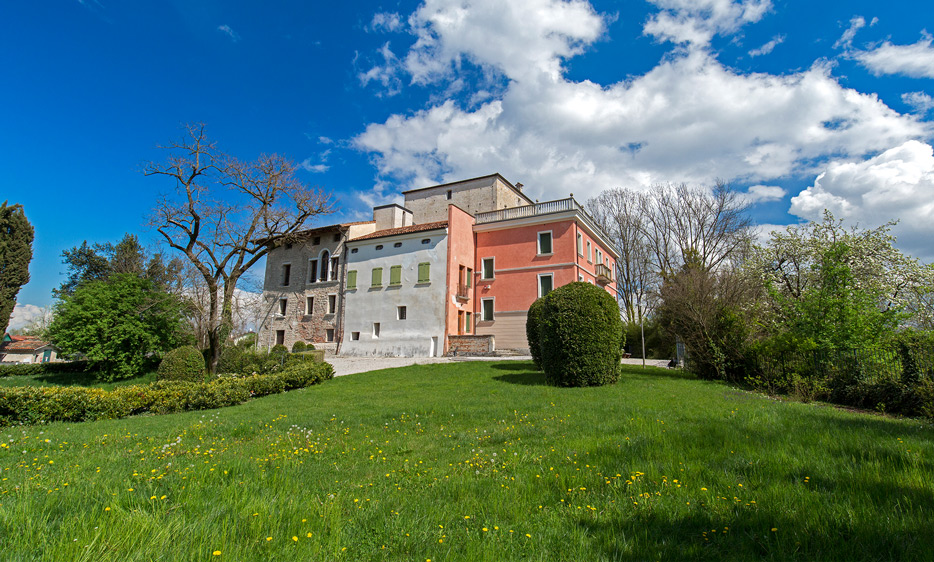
225	214
685	224
618	212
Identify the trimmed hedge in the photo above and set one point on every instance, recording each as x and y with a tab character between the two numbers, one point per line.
533	324
32	369
43	404
579	336
183	363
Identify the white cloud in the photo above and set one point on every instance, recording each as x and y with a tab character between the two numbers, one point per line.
846	40
919	101
896	184
386	74
915	60
385	21
25	314
321	166
226	30
697	21
690	119
768	47
763	194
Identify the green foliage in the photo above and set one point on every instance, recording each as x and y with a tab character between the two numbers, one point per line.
532	331
43	404
298	347
580	335
34	369
16	236
183	363
115	324
278	351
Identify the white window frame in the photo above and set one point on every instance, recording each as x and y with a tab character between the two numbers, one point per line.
402	312
589	252
376	330
330	310
483	269
538	242
282	306
540	276
580	244
483	302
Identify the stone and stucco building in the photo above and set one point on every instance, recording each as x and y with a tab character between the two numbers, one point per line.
453	269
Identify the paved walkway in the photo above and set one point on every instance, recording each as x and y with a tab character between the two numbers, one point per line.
350	365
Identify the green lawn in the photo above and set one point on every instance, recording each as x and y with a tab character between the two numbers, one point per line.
475	461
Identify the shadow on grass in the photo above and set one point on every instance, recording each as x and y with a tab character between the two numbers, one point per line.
527	378
90	379
514	366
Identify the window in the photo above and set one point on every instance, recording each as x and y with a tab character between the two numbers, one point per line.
377	277
450	194
352	279
354	250
467	323
283	304
317	240
580	277
599	256
469	278
329	334
545	284
400	313
544	242
395	275
332	304
337	237
375	330
325	260
397	245
355	336
580	244
312	271
379	246
426	241
334	268
460	322
424	272
589	260
286	274
309	305
487	311
486	271
280	337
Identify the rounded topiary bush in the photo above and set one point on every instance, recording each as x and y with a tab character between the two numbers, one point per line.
182	364
234	360
298	347
279	350
580	332
532	325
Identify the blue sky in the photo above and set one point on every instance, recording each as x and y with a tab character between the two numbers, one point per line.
802	107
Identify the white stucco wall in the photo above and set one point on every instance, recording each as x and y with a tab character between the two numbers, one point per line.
424	302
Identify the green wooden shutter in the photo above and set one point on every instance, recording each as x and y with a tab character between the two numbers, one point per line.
377	280
424	272
395	275
352	279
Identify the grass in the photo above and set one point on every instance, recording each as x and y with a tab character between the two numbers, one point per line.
77	378
475	461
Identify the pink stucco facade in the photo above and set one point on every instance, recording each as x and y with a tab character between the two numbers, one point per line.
461	256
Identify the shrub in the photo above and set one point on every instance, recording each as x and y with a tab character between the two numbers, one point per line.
235	360
182	364
532	325
298	347
32	369
278	351
580	335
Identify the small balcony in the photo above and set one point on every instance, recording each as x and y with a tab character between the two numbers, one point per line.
463	291
604	274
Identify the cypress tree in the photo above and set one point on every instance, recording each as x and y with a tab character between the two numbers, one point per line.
16	235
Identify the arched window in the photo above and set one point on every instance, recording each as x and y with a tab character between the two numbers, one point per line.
325	262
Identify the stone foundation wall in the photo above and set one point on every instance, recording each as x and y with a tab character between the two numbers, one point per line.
471	345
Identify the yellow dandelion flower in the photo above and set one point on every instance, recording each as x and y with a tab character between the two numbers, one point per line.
106	509
528	535
309	535
774	529
295	539
268	539
217	553
485	529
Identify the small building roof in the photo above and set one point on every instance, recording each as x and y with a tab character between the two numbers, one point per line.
493	175
22	344
402	230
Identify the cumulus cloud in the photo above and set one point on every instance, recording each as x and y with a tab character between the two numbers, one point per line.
690	119
696	22
896	184
226	30
919	101
763	194
27	314
768	47
915	60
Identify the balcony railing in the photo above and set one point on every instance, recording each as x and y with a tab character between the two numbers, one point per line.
548	207
604	274
463	291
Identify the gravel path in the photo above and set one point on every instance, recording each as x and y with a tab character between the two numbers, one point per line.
350	365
